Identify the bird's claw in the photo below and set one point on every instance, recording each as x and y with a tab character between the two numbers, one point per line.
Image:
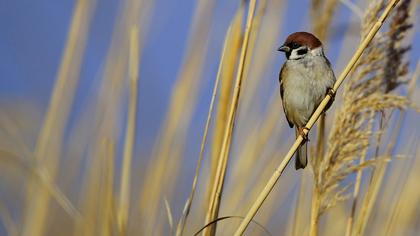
331	93
301	131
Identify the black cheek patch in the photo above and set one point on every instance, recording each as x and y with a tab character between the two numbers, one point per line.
302	51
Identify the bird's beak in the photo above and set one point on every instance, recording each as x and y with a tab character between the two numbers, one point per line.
284	48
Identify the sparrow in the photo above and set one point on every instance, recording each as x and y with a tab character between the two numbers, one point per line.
305	79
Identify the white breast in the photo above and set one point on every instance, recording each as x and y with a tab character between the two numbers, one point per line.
305	85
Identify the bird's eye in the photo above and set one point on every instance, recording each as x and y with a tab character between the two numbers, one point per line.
302	51
294	45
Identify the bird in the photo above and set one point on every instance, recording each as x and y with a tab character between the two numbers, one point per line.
306	77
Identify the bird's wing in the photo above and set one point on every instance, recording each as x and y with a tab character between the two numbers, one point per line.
281	94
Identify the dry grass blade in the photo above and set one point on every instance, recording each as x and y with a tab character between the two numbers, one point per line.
169	215
48	146
358	180
44	180
322	15
224	153
168	149
267	189
394	69
107	213
124	200
186	211
255	127
403	212
224	98
106	114
231	217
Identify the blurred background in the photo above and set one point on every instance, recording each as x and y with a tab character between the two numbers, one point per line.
104	106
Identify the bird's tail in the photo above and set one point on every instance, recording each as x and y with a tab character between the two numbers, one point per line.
301	155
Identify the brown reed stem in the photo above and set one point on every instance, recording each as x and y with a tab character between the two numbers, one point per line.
224	154
276	175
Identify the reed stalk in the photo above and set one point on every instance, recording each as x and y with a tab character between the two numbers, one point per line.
356	190
224	153
107	111
124	199
395	67
48	147
276	175
168	148
255	129
187	207
224	98
107	214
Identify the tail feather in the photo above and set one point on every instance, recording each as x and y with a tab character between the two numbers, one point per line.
301	155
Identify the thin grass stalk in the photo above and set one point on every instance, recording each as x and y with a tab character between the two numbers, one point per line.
322	19
257	129
44	182
299	202
409	188
104	208
379	172
358	182
168	148
48	145
322	14
124	200
224	154
315	206
367	203
399	191
169	216
279	198
320	141
187	207
224	98
106	114
257	142
108	214
276	175
394	68
259	60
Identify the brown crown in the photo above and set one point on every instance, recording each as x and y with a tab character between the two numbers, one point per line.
303	38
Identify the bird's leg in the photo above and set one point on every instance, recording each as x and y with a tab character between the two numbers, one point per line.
331	92
301	131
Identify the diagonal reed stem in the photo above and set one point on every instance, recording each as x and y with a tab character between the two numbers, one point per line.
224	153
277	173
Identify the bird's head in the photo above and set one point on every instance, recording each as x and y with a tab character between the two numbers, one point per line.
300	44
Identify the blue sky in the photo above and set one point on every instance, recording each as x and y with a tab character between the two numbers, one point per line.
33	34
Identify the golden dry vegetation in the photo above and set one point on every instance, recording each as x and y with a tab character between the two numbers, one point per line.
90	179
